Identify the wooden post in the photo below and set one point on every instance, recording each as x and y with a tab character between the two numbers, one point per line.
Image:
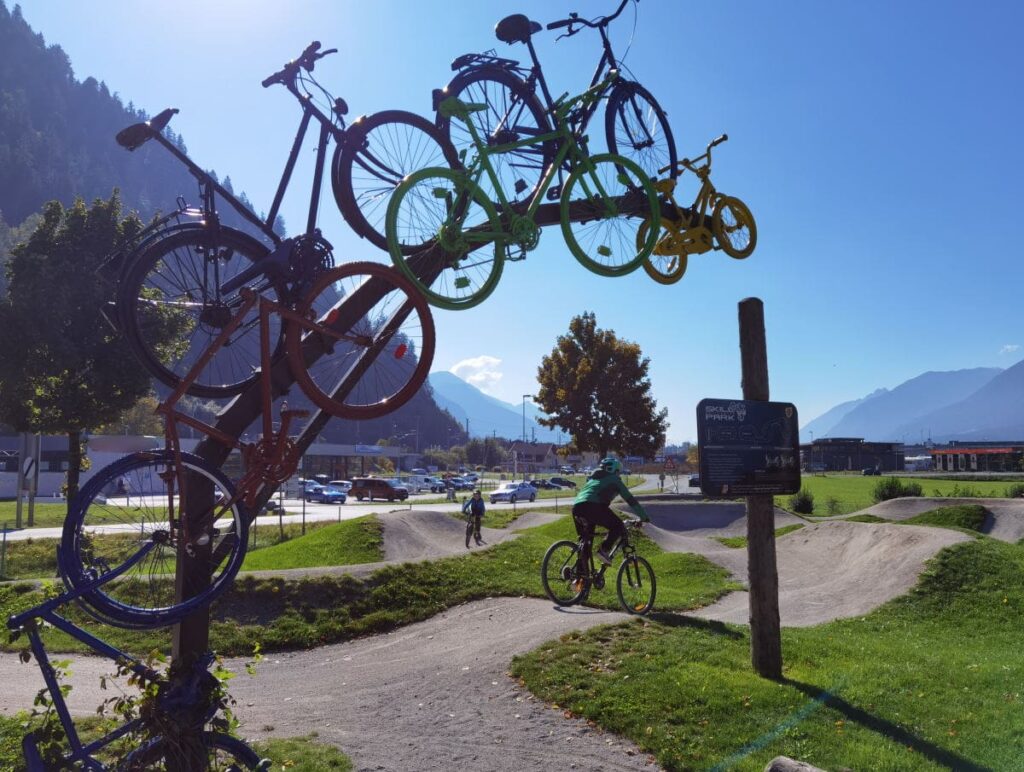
762	573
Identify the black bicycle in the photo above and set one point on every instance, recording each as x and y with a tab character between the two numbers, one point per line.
179	279
568	571
635	124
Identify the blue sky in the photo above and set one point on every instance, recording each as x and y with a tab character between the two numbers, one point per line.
876	143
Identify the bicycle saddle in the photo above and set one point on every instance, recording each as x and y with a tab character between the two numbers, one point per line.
137	134
515	29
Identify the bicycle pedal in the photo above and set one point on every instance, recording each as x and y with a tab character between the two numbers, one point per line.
554	192
521	186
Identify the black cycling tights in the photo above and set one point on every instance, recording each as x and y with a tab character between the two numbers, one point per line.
596	513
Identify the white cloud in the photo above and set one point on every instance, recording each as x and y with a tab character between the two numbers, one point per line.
483	372
1009	348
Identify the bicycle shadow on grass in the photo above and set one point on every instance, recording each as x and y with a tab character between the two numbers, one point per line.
926	748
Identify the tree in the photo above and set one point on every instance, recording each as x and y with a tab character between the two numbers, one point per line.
595	387
72	373
139	419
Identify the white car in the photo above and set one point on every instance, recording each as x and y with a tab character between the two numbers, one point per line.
513	492
343	485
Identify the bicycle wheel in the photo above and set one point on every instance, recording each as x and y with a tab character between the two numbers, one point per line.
106	531
513	114
171	308
222	752
466	252
635	585
564	574
734	227
604	203
382	344
377	154
664	268
636	127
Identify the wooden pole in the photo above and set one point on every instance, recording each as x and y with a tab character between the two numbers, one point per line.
762	572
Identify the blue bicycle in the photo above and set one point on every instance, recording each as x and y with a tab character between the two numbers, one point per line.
174	724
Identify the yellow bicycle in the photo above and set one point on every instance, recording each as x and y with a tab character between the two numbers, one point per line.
686	232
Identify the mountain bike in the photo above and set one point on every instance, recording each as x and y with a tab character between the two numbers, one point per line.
569	572
600	204
372	348
191	260
732	228
635	125
182	705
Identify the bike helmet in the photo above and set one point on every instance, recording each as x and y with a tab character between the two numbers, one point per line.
516	28
611	465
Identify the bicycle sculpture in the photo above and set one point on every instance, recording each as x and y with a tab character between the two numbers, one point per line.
634	123
190	262
568	571
604	200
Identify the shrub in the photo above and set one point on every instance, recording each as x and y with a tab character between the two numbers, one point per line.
1015	491
832	503
894	488
802	502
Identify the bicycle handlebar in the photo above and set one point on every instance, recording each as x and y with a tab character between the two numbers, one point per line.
600	21
306	60
689	162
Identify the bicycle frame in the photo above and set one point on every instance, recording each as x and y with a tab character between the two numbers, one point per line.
568	147
28	622
697	236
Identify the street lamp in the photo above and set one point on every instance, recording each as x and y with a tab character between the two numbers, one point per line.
524	414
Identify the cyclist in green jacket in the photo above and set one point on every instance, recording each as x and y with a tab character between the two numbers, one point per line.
592	505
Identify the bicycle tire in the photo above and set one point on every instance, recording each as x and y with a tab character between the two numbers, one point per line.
378	152
637	128
505	94
563	581
637	593
223	752
171	291
665	268
393	375
451	213
734	227
597	201
144	596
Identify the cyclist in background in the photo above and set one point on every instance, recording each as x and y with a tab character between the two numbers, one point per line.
592	505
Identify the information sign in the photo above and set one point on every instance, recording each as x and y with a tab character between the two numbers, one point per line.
748	447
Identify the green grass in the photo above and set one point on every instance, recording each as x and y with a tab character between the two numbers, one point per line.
968	517
862	693
295	614
736	542
299	754
853	492
47	514
335	544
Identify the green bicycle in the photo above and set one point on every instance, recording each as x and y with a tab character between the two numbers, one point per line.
603	203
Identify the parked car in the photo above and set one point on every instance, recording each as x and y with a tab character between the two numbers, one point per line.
513	492
871	470
342	485
328	494
694	480
566	469
377	488
462	484
562	482
543	484
473	477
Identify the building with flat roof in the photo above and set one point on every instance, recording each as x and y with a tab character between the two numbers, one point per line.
848	454
979	457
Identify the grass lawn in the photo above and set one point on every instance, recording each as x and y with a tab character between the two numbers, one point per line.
332	544
47	514
969	518
300	754
737	542
295	614
932	680
853	492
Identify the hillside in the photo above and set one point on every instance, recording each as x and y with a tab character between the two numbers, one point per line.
487	416
881	418
993	412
